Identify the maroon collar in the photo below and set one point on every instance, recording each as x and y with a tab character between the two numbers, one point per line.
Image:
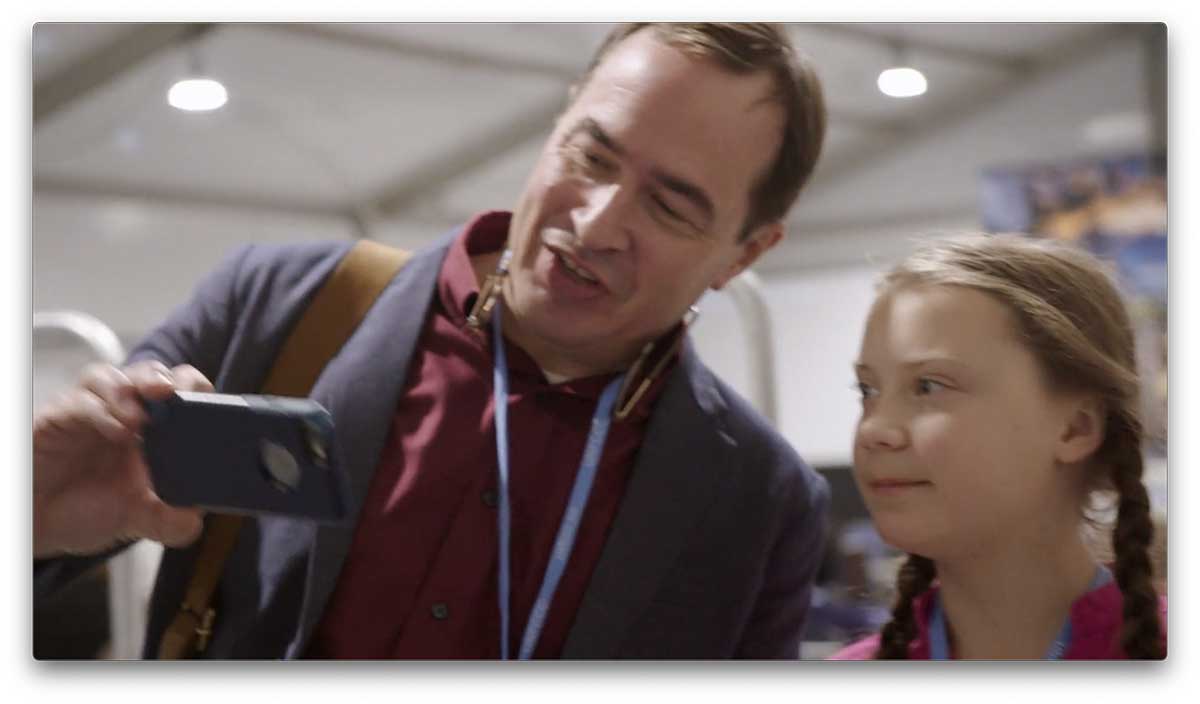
457	285
458	289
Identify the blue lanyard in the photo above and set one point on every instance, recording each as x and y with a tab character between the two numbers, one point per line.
565	541
939	648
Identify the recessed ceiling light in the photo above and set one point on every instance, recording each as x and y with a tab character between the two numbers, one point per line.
197	95
902	82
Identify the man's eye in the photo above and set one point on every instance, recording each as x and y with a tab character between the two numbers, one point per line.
666	209
866	391
673	219
592	161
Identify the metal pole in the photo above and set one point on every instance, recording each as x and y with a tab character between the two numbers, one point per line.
746	290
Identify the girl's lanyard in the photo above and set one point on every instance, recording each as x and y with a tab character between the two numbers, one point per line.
565	541
939	648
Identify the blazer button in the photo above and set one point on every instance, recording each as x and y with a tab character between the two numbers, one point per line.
490	498
440	611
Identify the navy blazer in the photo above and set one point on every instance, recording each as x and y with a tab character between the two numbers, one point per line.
712	553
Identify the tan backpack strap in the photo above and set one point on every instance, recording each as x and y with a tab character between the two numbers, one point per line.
332	316
328	321
193	622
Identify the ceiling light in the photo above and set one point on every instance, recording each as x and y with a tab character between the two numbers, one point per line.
902	82
197	94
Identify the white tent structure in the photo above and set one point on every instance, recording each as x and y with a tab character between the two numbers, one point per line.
399	132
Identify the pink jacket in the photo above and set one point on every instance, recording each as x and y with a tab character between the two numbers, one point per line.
1095	626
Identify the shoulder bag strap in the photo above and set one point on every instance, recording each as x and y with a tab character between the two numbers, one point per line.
331	317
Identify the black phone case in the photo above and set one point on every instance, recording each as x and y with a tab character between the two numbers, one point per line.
245	454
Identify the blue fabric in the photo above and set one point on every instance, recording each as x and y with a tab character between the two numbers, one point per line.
712	553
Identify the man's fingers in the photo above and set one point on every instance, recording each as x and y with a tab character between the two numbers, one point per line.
88	410
115	389
104	380
77	411
180	526
173	526
123	390
188	378
151	379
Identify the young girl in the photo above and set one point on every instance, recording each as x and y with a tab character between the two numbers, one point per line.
999	396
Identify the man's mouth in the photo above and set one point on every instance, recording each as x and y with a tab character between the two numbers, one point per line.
575	271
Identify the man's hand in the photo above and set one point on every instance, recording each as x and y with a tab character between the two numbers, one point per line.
91	486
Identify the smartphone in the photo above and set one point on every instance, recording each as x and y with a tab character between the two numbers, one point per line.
252	455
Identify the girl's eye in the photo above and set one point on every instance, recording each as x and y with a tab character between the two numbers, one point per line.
865	390
928	386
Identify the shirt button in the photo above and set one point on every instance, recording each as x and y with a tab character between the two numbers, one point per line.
440	611
490	498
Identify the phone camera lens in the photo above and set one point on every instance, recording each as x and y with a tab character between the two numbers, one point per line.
280	466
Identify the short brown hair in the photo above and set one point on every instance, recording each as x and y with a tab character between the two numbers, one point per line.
748	48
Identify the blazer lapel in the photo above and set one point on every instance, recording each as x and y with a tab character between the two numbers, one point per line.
684	453
361	387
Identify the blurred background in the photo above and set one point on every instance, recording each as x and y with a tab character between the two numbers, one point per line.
144	178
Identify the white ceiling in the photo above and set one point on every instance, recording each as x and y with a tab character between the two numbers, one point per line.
432	122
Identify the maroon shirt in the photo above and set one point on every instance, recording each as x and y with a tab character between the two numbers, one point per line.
419	580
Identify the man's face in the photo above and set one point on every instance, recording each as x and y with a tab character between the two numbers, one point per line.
637	201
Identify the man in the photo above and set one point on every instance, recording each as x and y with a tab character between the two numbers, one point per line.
669	173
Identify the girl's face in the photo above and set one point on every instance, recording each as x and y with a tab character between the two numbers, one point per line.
955	447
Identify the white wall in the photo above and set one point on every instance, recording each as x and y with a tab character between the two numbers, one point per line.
817	315
816	319
129	262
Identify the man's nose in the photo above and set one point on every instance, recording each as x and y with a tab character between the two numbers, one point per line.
603	222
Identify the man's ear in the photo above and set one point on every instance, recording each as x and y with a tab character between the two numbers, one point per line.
1083	432
763	238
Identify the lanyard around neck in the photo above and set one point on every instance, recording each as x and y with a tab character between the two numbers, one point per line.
564	542
939	642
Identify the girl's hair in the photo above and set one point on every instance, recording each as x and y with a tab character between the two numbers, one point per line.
1070	315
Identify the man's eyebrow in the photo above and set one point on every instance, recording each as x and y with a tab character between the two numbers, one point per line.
595	131
679	185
